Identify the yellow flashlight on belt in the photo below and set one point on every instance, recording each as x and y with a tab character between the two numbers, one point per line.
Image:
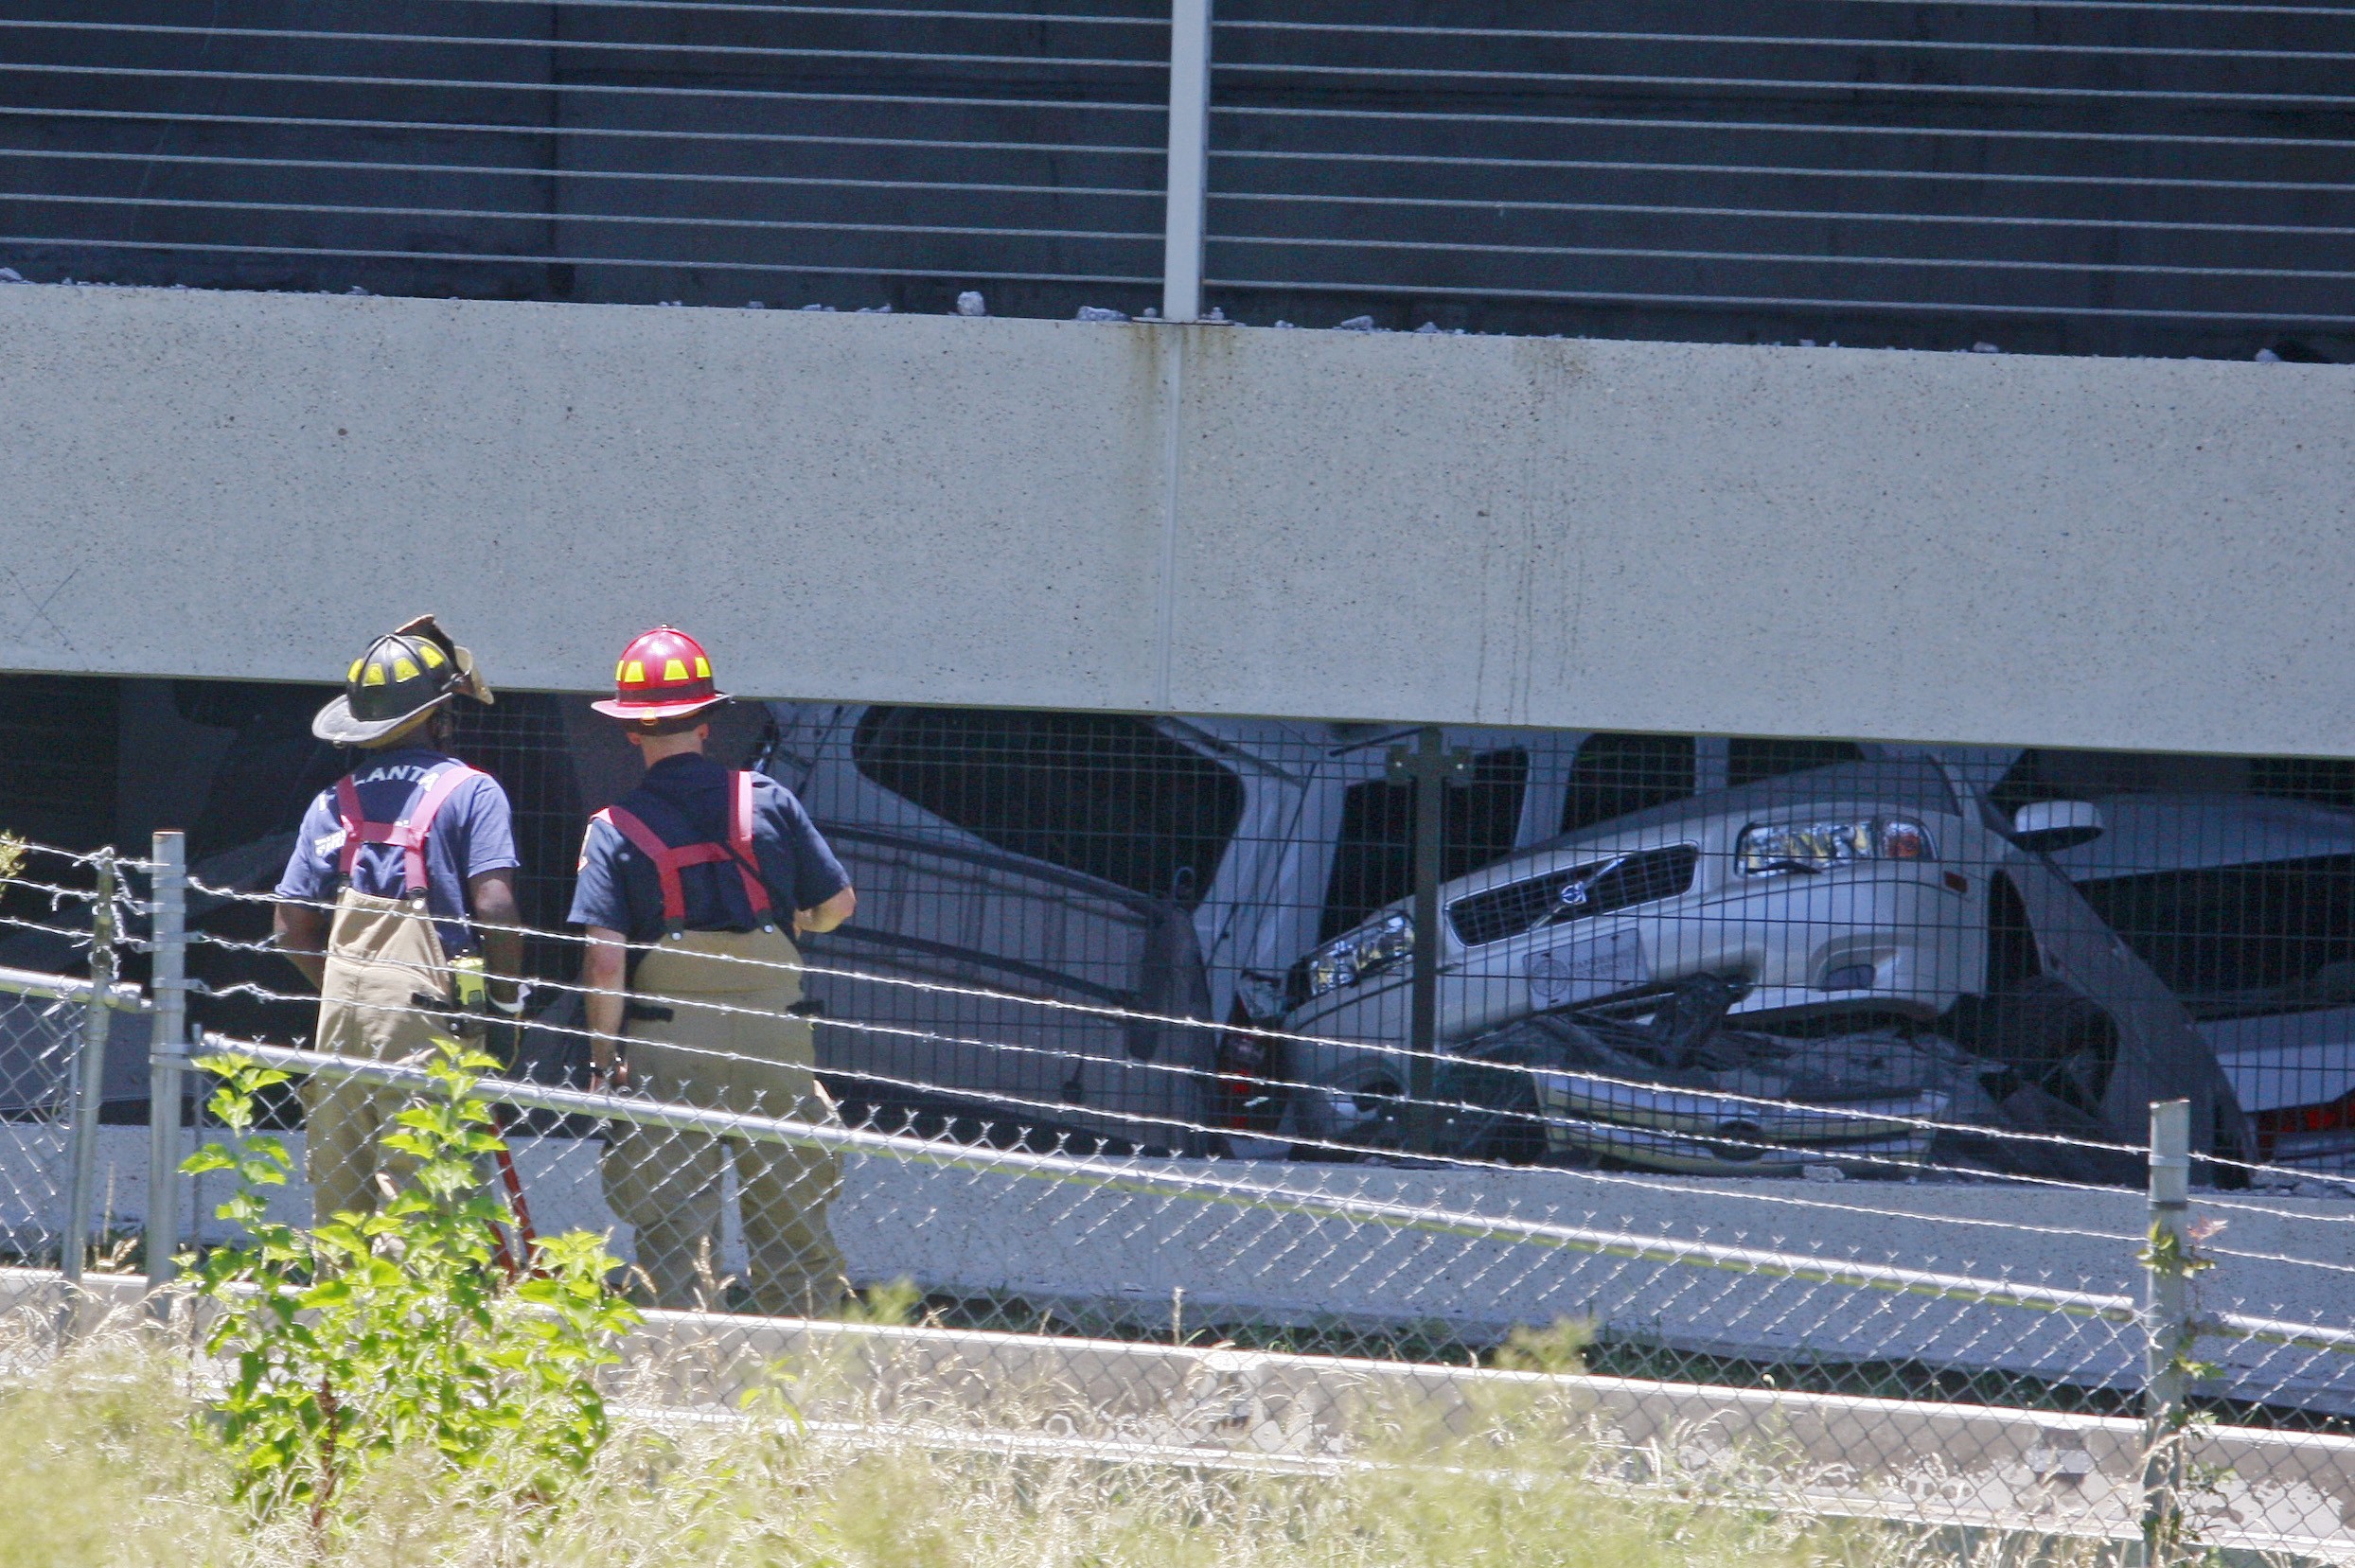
465	980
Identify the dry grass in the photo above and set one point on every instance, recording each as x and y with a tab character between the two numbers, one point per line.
107	1469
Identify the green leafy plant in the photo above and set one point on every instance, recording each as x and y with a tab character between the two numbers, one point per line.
399	1332
1561	1348
2170	1480
12	857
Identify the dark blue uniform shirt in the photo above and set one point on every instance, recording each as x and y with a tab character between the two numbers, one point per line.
474	833
685	799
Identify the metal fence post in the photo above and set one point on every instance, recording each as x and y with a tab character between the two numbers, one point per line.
166	1046
90	1078
2167	1301
1189	158
1429	769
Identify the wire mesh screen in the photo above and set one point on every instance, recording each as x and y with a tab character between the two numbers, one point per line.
1638	934
1866	172
851	156
1764	1063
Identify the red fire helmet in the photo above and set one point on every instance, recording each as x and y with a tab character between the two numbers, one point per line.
663	674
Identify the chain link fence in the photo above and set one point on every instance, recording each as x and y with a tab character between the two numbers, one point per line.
1994	1342
66	1196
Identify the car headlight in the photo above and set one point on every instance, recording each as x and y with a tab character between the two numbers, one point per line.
1353	957
1822	846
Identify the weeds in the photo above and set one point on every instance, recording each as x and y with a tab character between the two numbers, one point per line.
111	1472
395	1338
392	1396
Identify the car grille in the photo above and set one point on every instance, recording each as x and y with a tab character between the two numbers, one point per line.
1519	906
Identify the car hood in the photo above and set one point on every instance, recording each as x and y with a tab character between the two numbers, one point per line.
1908	785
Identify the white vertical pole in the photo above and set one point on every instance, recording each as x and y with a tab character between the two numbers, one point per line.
165	1045
1189	158
2166	1287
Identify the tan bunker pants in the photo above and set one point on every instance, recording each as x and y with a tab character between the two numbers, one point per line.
384	954
745	1055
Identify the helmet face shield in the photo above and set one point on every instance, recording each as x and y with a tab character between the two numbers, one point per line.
663	674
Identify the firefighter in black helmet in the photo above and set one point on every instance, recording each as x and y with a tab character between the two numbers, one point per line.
394	866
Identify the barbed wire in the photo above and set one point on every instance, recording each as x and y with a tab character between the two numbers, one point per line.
2210	1249
1402	1052
1058	1113
1133	1177
80	938
1124	1014
87	857
56	891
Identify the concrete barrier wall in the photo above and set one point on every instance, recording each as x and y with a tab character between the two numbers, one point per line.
2132	553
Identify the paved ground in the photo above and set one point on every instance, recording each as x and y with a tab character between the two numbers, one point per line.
1274	1252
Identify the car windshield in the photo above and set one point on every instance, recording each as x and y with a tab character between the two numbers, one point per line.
2236	942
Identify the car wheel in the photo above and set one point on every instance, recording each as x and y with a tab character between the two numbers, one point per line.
1491	1113
1380	1124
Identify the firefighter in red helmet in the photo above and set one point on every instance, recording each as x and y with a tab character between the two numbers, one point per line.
693	888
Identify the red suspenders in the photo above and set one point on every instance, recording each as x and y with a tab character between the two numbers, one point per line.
669	862
425	801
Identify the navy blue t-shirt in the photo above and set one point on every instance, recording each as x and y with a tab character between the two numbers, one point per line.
473	832
685	799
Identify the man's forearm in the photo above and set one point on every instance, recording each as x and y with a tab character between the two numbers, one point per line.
503	961
605	1028
301	933
498	918
605	974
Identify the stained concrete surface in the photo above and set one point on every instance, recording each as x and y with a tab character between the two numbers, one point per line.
1989	548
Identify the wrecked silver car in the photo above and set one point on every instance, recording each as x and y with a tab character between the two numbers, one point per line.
1797	972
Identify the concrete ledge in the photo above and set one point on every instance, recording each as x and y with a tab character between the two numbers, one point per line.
1982	548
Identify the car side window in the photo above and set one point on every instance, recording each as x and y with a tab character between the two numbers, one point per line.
1750	758
1102	794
